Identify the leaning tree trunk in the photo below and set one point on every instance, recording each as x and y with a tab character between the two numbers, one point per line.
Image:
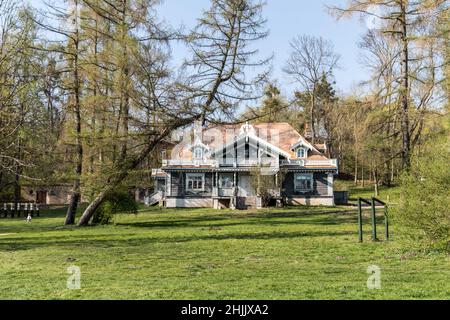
128	165
113	182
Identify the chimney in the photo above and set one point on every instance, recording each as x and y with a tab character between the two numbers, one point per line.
307	134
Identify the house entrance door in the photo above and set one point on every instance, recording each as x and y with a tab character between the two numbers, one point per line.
245	186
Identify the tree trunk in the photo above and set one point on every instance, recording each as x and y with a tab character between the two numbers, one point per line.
125	167
93	206
313	106
124	86
392	170
375	178
362	175
404	110
76	194
17	172
17	187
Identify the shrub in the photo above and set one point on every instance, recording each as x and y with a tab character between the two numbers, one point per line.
115	202
423	213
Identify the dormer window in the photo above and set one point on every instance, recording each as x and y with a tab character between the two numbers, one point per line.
302	153
301	148
198	153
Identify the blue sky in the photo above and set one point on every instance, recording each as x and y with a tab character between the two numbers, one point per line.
286	19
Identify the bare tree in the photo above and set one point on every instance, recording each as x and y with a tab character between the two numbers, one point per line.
407	23
12	43
311	59
65	25
20	117
222	49
211	84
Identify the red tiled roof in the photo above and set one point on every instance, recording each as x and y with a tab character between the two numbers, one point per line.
280	134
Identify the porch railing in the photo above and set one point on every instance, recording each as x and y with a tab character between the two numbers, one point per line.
212	163
304	162
230	162
223	192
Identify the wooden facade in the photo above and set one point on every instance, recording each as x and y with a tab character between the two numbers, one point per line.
223	174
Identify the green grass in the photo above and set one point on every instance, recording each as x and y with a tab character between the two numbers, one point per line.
289	253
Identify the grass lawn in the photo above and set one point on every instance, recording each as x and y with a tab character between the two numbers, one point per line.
289	253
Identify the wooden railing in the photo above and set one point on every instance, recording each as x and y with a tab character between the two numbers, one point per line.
212	163
231	162
223	192
305	162
228	162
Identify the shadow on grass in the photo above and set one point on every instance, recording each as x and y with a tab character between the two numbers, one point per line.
88	241
226	223
272	218
204	227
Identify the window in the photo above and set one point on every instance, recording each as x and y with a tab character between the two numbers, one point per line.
303	181
301	153
198	153
195	182
226	181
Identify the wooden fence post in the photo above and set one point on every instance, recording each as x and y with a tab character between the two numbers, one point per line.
386	223
360	230
374	221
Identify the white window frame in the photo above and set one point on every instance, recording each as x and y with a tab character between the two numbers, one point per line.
310	178
198	153
303	151
190	176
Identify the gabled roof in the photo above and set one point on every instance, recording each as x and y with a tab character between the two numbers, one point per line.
249	137
281	135
198	143
302	143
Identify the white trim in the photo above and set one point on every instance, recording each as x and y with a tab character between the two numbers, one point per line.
169	184
330	184
257	140
200	150
303	143
189	175
305	152
199	144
